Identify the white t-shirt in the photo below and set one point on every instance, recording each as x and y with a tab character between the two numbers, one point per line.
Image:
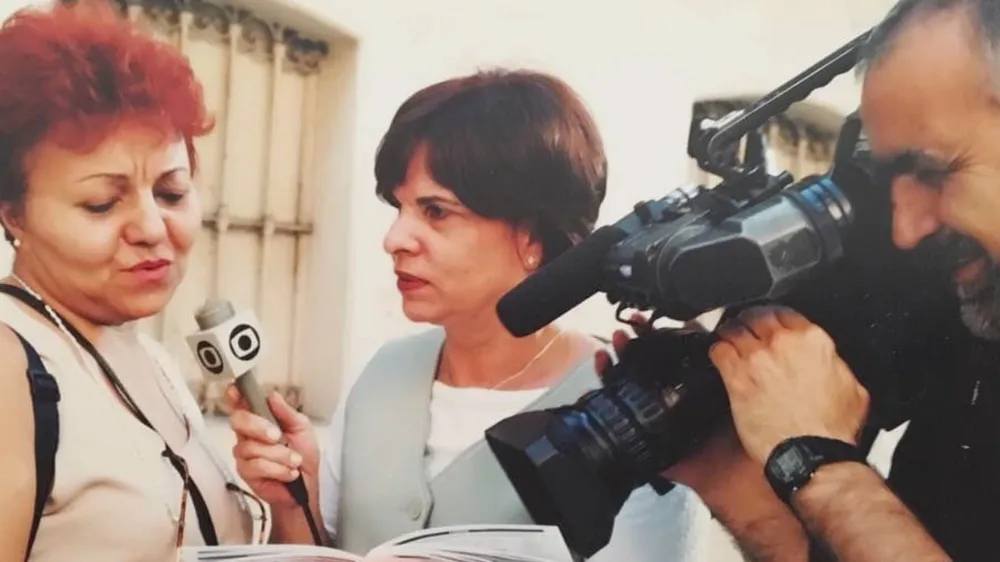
650	528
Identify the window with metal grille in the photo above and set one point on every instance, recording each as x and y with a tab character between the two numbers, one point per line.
257	176
800	141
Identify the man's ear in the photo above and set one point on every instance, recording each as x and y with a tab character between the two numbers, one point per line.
10	219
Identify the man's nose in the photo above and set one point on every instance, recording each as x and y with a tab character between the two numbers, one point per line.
147	225
400	237
914	213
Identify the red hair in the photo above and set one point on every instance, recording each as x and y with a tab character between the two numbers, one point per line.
72	73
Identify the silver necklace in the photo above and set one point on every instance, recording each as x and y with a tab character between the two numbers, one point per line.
48	309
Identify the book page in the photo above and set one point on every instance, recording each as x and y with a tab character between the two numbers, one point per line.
481	543
265	553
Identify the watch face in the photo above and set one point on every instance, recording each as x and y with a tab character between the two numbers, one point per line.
789	465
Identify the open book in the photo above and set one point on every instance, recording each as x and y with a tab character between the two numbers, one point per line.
466	543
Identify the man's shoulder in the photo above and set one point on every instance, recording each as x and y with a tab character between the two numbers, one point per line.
944	469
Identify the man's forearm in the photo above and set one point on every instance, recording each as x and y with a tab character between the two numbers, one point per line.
764	528
851	510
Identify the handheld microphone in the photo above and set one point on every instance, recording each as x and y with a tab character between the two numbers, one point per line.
228	346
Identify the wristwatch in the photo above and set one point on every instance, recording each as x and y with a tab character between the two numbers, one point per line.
794	461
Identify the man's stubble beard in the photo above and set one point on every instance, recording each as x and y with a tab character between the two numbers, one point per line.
979	299
980	302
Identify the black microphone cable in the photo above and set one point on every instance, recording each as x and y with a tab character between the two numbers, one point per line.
297	488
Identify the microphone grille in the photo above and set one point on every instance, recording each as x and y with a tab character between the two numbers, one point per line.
213	313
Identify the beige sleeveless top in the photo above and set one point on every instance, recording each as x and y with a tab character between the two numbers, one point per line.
114	496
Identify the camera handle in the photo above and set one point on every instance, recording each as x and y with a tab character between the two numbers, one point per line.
707	149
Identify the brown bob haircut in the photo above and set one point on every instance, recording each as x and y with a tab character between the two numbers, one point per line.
518	146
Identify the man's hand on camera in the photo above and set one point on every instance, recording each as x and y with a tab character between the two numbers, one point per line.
785	379
729	482
707	470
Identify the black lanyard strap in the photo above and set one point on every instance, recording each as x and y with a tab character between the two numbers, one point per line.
200	506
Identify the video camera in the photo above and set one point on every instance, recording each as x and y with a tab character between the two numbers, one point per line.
821	245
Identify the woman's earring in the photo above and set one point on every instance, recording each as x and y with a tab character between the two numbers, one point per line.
17	243
531	261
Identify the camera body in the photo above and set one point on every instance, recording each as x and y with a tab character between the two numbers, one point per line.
822	245
681	268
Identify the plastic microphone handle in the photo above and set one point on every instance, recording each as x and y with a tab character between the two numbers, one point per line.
213	313
560	285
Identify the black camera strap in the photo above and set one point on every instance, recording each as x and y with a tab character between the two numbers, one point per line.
201	507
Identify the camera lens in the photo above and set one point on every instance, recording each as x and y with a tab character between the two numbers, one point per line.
614	439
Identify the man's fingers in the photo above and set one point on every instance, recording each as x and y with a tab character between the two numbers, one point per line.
602	360
812	335
619	341
740	337
640	323
725	357
791	319
761	321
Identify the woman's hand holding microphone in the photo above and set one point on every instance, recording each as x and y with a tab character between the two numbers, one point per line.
262	461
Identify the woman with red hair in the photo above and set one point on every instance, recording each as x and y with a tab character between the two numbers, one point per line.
97	197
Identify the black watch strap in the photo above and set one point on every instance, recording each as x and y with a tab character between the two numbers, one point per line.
794	461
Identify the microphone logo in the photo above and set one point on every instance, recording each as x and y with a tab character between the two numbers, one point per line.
209	357
230	347
244	342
